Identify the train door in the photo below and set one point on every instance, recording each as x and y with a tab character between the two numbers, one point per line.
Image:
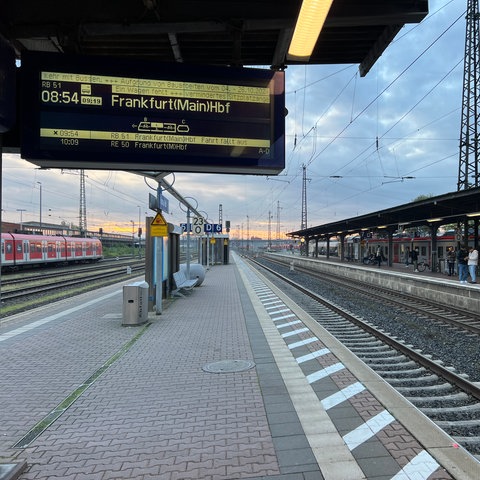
88	249
70	251
19	251
35	250
98	250
51	253
396	253
25	251
63	250
8	250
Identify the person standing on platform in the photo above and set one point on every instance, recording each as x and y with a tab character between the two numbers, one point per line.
451	255
462	257
472	264
378	255
414	257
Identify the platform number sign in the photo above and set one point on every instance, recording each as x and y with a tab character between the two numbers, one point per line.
197	225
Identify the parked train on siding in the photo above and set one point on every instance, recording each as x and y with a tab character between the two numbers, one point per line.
21	250
402	245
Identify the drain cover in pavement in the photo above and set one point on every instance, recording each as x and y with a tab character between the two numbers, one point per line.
228	366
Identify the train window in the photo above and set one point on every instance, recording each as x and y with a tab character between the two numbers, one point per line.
19	248
9	247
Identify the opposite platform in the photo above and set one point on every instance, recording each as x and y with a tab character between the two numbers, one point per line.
85	398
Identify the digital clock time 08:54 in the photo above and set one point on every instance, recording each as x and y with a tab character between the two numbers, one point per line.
54	96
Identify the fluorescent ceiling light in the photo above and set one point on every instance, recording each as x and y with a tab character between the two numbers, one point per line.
307	29
434	220
477	214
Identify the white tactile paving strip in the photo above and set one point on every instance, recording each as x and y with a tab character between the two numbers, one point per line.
420	465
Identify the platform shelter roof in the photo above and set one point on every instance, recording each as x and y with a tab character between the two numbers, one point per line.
207	32
440	210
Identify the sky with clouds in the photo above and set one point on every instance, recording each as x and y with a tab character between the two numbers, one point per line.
367	144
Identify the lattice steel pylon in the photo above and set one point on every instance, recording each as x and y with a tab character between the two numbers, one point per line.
83	205
269	239
469	142
278	219
304	199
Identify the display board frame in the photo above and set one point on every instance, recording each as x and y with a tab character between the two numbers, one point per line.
113	113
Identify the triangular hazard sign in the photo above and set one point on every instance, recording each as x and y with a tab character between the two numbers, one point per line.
159	220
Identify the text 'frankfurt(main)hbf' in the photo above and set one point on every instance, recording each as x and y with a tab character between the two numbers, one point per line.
177	104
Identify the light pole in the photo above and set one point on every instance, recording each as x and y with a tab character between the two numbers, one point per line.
41	228
21	210
207	245
139	234
133	238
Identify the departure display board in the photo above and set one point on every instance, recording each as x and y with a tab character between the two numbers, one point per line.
111	113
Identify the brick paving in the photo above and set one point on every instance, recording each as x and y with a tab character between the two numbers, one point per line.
154	413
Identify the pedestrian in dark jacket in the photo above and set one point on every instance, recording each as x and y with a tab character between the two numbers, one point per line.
462	258
451	256
414	257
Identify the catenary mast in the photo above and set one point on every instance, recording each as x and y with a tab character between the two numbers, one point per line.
469	153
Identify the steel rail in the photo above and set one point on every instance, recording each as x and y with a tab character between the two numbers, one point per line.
457	380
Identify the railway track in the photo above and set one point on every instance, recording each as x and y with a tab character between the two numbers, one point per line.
452	316
432	384
20	294
16	280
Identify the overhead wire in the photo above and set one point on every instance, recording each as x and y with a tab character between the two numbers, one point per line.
386	88
375	143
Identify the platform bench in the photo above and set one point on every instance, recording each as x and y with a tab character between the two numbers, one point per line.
183	283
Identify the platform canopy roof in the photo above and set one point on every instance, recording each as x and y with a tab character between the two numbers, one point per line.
441	210
208	32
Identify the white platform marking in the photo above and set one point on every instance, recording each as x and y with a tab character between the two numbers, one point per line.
302	342
367	430
419	468
342	395
294	332
325	372
289	324
283	317
311	356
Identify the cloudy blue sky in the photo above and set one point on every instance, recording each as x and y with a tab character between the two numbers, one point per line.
359	138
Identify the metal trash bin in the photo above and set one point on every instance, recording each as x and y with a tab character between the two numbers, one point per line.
135	303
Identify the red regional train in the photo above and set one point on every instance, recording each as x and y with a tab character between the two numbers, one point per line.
20	250
358	249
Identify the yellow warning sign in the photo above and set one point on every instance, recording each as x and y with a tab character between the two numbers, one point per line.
158	227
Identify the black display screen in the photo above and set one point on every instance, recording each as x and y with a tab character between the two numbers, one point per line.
104	112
